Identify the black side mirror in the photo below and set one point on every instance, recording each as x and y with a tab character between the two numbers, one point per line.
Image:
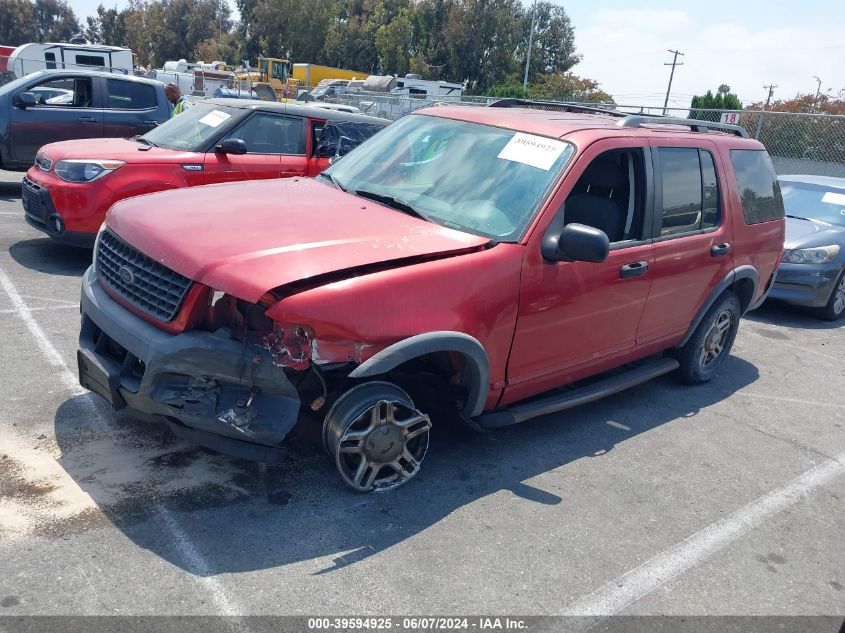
26	100
576	243
232	146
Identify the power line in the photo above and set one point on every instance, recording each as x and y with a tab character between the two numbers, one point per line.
671	75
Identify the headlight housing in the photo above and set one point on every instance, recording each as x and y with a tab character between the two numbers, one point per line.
84	169
817	255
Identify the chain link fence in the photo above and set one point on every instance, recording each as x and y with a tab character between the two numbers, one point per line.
798	143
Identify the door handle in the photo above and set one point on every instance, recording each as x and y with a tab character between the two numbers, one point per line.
633	270
720	249
87	119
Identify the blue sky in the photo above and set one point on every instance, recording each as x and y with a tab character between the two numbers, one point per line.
743	43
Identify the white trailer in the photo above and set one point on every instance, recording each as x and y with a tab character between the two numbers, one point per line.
392	97
28	58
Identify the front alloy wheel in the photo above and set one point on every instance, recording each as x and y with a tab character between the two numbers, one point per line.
377	437
835	306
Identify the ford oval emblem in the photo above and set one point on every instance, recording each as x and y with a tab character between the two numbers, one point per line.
126	275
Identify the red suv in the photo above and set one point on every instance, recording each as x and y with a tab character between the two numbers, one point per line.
466	261
73	183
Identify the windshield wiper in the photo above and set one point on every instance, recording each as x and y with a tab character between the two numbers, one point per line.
395	203
333	180
798	217
141	139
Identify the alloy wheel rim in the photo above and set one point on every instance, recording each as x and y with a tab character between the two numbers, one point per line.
383	447
839	298
714	342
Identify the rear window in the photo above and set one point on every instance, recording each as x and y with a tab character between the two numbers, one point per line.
758	186
130	95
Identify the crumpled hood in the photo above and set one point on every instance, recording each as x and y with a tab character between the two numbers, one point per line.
802	233
247	238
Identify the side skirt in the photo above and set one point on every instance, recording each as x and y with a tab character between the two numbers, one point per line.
581	395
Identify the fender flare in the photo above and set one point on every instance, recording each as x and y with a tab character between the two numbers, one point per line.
478	365
741	272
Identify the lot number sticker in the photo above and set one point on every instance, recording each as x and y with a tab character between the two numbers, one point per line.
214	118
834	198
536	151
730	117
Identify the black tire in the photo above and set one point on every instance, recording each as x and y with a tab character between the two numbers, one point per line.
835	306
711	342
376	436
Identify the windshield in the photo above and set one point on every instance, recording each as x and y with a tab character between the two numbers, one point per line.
476	178
814	201
191	130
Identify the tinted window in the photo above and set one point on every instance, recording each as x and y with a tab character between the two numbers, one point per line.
50	58
710	215
130	95
680	169
268	134
758	186
90	60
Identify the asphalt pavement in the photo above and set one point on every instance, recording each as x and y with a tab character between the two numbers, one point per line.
722	499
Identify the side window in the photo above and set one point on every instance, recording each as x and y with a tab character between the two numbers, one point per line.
610	195
316	132
129	95
711	216
758	186
690	190
268	134
63	93
50	58
417	93
90	60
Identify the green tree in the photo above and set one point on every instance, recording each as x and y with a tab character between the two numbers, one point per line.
394	43
55	21
107	27
553	46
17	23
709	107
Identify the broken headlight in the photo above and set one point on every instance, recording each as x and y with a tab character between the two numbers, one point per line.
289	345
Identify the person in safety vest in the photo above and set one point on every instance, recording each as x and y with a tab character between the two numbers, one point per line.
174	96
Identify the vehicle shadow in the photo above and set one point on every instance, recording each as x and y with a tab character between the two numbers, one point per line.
10	191
240	516
774	312
44	255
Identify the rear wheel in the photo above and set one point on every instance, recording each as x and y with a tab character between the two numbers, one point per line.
835	306
711	342
376	436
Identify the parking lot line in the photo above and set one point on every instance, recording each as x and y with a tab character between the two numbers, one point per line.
622	592
203	572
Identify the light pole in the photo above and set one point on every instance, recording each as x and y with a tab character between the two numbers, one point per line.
530	42
671	75
818	90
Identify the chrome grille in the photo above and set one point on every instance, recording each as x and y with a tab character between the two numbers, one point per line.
140	280
31	198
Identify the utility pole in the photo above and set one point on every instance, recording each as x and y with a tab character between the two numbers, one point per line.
771	89
530	42
672	74
818	90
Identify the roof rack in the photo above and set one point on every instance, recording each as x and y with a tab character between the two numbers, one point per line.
637	120
558	106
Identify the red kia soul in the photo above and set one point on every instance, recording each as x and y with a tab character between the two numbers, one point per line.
466	262
73	183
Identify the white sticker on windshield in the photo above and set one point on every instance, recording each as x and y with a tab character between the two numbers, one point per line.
536	151
834	198
214	118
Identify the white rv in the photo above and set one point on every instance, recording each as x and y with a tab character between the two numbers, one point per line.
28	58
391	97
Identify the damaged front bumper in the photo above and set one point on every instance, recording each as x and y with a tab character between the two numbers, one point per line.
213	390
